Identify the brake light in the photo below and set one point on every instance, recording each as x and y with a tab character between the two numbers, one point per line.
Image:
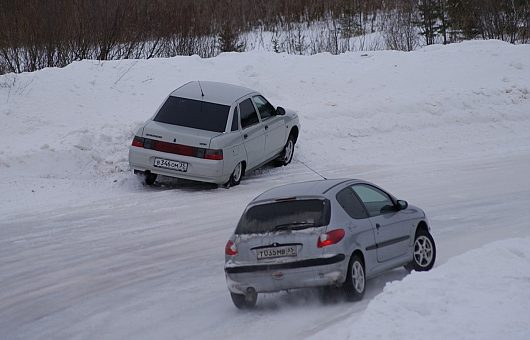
213	154
230	248
138	141
178	149
329	238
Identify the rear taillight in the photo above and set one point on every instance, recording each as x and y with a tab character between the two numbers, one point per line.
329	238
138	141
178	149
230	248
213	154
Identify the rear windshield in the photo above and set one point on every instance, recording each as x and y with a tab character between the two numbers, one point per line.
193	114
284	215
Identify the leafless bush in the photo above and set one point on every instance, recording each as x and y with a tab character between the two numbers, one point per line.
37	33
399	30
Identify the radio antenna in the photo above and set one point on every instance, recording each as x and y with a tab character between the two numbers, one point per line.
202	93
307	166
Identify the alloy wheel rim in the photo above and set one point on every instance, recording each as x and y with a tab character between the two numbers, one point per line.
423	251
357	277
237	172
288	151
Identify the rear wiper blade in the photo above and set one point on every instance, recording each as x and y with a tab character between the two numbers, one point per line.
294	226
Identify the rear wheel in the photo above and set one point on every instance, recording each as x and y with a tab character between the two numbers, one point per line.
355	284
150	178
329	294
247	301
237	174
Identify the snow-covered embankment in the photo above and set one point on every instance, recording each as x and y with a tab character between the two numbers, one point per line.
482	294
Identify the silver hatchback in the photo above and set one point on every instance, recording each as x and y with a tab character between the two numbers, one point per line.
336	233
213	132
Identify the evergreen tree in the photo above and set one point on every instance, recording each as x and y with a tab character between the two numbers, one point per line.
428	23
229	39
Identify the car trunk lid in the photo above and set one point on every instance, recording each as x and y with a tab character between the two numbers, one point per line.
178	134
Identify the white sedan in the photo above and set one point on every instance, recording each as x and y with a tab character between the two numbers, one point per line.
213	132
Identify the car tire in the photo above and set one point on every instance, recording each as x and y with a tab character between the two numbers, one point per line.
150	178
237	174
355	284
424	252
287	153
244	301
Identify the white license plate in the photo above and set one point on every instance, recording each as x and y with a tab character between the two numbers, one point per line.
268	253
169	164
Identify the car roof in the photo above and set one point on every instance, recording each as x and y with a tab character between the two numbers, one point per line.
309	188
214	92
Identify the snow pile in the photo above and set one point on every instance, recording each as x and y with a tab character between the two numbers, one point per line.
482	294
69	129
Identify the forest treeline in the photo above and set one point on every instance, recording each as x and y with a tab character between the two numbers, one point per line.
43	33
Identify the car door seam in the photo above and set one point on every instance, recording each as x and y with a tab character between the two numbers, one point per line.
388	242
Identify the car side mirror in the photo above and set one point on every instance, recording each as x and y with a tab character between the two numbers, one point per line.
280	111
402	205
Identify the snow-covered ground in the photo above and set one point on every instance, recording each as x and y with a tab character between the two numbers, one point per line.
482	294
88	252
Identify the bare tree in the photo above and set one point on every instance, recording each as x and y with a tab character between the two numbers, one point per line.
37	34
399	29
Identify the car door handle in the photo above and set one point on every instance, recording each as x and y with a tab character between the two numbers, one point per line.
245	136
266	127
377	225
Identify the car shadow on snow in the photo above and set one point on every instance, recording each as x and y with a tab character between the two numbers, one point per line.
173	183
303	298
263	170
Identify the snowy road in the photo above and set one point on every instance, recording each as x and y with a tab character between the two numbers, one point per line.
142	266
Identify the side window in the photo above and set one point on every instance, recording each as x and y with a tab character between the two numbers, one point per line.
235	120
376	201
248	114
351	204
265	109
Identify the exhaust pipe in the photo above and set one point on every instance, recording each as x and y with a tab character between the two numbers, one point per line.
251	295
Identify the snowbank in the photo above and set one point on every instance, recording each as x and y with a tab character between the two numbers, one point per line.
482	294
68	130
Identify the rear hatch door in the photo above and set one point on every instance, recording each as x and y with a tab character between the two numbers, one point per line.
188	121
178	134
281	231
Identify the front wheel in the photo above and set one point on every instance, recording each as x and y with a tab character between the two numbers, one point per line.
355	284
244	301
424	252
287	154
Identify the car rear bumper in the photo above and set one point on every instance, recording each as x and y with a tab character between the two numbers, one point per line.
204	170
315	272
